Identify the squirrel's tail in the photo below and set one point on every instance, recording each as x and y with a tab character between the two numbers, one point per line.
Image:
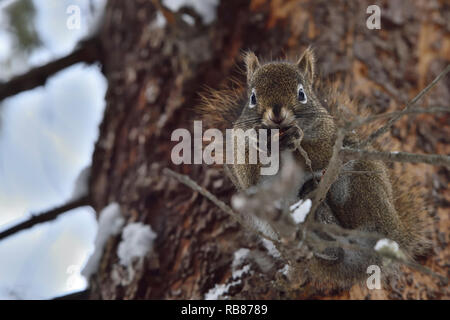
412	207
352	264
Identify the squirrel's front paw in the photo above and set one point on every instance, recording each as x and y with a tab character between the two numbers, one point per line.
290	139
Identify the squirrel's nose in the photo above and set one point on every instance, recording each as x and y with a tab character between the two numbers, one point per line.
277	119
277	116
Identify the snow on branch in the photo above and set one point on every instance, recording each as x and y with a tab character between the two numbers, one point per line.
110	223
220	290
187	10
387	245
300	210
137	242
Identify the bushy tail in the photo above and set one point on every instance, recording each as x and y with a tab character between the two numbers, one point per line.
412	207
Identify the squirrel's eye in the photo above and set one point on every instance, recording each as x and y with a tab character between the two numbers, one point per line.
301	94
252	99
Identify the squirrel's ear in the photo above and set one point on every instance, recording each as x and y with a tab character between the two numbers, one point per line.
251	63
307	63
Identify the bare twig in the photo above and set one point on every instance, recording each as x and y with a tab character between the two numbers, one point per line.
338	234
433	159
388	115
331	229
168	14
335	230
219	203
88	51
415	265
79	295
45	217
392	120
331	174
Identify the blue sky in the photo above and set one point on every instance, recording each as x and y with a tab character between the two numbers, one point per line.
47	137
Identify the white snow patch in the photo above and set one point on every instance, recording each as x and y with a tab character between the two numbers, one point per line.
81	184
239	273
285	270
263	227
237	202
110	223
137	242
387	245
205	8
221	289
273	251
188	19
239	257
238	260
300	210
160	21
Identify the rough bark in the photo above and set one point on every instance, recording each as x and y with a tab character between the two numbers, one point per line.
155	75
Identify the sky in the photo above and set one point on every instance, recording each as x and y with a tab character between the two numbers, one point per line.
47	137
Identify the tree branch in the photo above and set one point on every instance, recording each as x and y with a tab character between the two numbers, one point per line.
387	115
333	230
45	217
433	159
331	174
329	228
88	51
391	121
219	203
79	295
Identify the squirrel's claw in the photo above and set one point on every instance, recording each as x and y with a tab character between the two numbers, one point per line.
290	139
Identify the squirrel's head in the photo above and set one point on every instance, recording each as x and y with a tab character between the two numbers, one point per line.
280	93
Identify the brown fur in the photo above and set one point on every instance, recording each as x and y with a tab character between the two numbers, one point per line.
220	108
383	202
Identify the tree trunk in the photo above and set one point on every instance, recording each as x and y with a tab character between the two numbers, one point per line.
155	75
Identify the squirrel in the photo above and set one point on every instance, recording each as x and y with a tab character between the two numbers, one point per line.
287	96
